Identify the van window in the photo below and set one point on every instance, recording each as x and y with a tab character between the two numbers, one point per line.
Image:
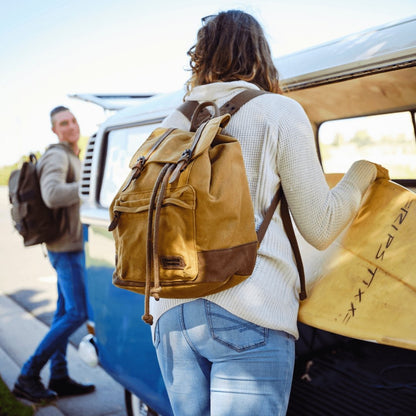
121	146
387	139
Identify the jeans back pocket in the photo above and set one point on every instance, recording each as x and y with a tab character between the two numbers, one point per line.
232	331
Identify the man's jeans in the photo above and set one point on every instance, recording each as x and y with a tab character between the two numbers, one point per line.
71	312
215	363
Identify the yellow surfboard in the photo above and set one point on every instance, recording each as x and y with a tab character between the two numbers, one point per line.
364	285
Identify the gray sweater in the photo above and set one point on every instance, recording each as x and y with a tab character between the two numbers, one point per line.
59	172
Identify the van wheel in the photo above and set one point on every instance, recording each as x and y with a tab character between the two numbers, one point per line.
136	406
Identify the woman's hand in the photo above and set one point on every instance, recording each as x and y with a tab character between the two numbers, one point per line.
382	173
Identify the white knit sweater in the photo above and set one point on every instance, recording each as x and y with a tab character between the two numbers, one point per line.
278	148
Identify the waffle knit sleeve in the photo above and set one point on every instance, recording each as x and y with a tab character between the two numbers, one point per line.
320	213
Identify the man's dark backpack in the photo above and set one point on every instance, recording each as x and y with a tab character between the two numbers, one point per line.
34	221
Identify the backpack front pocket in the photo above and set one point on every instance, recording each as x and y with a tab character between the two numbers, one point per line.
173	237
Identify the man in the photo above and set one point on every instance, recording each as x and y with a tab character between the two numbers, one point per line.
59	173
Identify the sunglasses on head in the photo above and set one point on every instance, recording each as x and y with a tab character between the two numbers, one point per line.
208	18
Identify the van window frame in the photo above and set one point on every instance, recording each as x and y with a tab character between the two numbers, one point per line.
408	183
104	150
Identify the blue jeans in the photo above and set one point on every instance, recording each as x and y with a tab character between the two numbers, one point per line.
213	362
71	313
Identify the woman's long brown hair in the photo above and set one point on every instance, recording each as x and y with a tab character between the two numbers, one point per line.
232	46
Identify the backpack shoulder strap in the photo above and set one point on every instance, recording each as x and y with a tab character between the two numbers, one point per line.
187	108
290	232
231	107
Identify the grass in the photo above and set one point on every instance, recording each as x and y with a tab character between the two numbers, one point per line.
10	406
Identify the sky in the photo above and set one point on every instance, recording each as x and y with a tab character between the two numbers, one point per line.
52	48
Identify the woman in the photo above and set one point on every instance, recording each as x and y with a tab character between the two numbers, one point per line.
232	353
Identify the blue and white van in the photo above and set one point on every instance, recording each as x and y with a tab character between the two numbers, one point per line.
359	93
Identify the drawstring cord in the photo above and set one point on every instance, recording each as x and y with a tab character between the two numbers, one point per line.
156	226
149	247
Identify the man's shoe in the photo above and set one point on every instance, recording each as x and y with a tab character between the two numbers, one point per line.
68	387
31	388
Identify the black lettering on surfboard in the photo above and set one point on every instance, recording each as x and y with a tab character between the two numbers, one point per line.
402	216
359	295
380	254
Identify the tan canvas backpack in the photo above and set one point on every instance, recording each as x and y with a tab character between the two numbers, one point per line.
183	221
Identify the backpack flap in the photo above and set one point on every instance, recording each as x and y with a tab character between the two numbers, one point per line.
170	151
